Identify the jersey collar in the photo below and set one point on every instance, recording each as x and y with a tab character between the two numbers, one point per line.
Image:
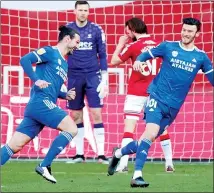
143	36
83	26
189	50
55	47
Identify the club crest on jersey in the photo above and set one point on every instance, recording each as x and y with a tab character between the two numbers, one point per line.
89	36
41	51
174	53
59	62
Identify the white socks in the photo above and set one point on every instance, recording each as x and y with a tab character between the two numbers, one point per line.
137	174
118	153
99	135
79	141
124	160
167	151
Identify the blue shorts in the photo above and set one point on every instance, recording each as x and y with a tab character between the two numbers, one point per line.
85	85
159	113
40	113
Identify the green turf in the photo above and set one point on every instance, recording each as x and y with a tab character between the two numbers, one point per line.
91	177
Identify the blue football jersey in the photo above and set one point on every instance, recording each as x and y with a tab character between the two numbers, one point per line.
178	70
91	55
51	67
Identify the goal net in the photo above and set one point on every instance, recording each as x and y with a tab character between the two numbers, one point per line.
23	30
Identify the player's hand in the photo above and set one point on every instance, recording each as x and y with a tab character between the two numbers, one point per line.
71	94
137	66
123	40
103	90
42	83
103	86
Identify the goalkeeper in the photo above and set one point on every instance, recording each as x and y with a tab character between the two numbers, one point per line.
41	110
88	74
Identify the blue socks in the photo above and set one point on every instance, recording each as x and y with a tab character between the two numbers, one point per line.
130	148
60	142
6	154
142	153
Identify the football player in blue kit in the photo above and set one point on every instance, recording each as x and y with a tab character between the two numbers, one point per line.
181	62
87	72
41	110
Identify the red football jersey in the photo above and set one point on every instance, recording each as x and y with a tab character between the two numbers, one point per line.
139	81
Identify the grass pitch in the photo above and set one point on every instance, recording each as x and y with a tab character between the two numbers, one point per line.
92	177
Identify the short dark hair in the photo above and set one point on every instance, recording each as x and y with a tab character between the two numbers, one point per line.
136	25
64	31
81	3
192	21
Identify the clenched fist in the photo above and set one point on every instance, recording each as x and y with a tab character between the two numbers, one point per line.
71	94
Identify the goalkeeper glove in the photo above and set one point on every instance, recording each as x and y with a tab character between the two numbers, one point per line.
103	86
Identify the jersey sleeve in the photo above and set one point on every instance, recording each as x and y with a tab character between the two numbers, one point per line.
42	54
62	95
158	51
38	56
207	69
126	53
101	48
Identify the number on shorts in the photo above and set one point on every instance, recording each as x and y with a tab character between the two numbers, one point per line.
152	103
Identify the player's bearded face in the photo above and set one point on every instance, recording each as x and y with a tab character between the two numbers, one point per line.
188	33
73	44
82	12
130	33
